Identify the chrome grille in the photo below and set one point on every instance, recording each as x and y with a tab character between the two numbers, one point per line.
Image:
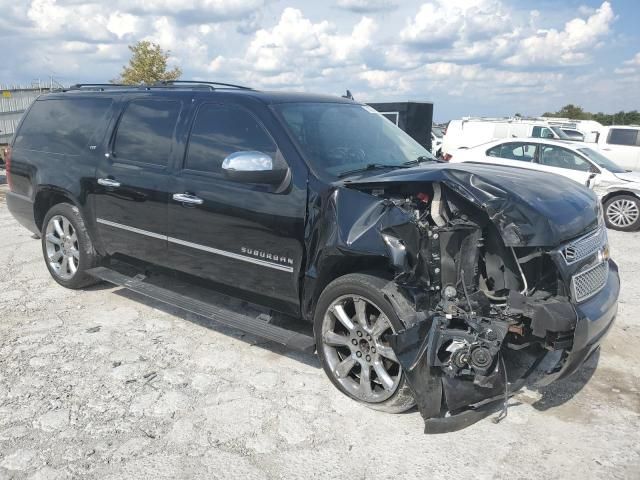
585	246
589	282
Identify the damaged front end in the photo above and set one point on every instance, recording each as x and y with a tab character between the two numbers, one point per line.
493	295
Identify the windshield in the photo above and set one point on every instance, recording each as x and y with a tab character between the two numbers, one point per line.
561	134
601	160
338	138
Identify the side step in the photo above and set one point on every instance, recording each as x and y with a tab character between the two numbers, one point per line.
259	328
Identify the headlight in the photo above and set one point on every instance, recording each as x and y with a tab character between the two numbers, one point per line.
397	250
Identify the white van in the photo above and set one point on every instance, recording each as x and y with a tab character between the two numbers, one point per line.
621	143
469	132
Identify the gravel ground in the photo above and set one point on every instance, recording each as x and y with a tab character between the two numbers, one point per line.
104	384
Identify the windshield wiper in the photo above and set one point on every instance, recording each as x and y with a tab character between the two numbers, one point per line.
367	167
419	160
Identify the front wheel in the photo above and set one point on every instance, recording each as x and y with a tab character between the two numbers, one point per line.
352	322
622	212
67	248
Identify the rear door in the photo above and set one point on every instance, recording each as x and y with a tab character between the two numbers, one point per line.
132	180
246	236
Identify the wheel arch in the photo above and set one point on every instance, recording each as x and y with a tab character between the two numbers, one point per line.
337	267
618	193
46	198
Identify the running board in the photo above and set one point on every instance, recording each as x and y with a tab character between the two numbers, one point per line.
228	318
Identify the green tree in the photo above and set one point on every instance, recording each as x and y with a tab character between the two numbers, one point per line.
148	64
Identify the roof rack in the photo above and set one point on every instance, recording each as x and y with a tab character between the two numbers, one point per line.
161	84
198	82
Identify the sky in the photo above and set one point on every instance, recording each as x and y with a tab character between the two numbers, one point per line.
469	57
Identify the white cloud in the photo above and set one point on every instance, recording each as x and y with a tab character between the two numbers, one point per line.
634	61
445	21
298	44
571	46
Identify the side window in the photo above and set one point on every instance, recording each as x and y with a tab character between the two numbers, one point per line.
220	130
562	158
145	131
541	132
623	136
63	126
523	152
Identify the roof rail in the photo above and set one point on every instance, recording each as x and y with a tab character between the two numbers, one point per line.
198	82
161	84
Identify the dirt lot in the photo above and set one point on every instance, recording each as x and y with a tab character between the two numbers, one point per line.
101	384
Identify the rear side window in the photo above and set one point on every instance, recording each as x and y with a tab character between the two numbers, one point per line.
623	136
220	130
524	152
63	126
145	131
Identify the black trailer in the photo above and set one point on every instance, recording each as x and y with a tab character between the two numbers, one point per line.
415	118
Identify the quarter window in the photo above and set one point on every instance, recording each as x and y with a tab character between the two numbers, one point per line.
220	130
623	136
553	156
145	131
63	126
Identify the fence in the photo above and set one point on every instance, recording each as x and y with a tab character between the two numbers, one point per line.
14	100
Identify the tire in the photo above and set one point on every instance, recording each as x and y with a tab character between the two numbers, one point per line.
64	235
622	212
346	353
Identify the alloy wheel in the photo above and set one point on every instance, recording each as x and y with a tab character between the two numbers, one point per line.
61	242
354	346
623	212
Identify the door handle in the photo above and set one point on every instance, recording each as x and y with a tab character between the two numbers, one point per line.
107	182
187	198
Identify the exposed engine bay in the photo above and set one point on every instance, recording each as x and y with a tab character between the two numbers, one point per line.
485	314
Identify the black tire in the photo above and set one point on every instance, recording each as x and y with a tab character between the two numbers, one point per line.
87	257
368	287
619	201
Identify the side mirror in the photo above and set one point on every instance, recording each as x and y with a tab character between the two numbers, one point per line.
252	167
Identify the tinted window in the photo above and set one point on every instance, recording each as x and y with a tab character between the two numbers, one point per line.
513	151
218	131
64	126
623	136
553	156
145	131
337	138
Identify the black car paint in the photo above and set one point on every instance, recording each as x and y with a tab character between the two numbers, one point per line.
328	228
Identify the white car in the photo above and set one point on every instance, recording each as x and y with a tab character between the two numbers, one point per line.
618	188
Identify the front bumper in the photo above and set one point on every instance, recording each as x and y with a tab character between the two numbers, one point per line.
595	317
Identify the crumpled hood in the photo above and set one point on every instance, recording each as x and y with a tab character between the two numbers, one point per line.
529	208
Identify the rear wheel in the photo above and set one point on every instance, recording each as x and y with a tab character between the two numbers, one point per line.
352	322
622	212
67	248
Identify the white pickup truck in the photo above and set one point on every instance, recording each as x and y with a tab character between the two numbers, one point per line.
621	143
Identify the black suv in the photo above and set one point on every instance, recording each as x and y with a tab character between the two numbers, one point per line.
445	286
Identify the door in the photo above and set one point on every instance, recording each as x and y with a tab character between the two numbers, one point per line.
623	147
246	236
132	181
513	154
566	163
